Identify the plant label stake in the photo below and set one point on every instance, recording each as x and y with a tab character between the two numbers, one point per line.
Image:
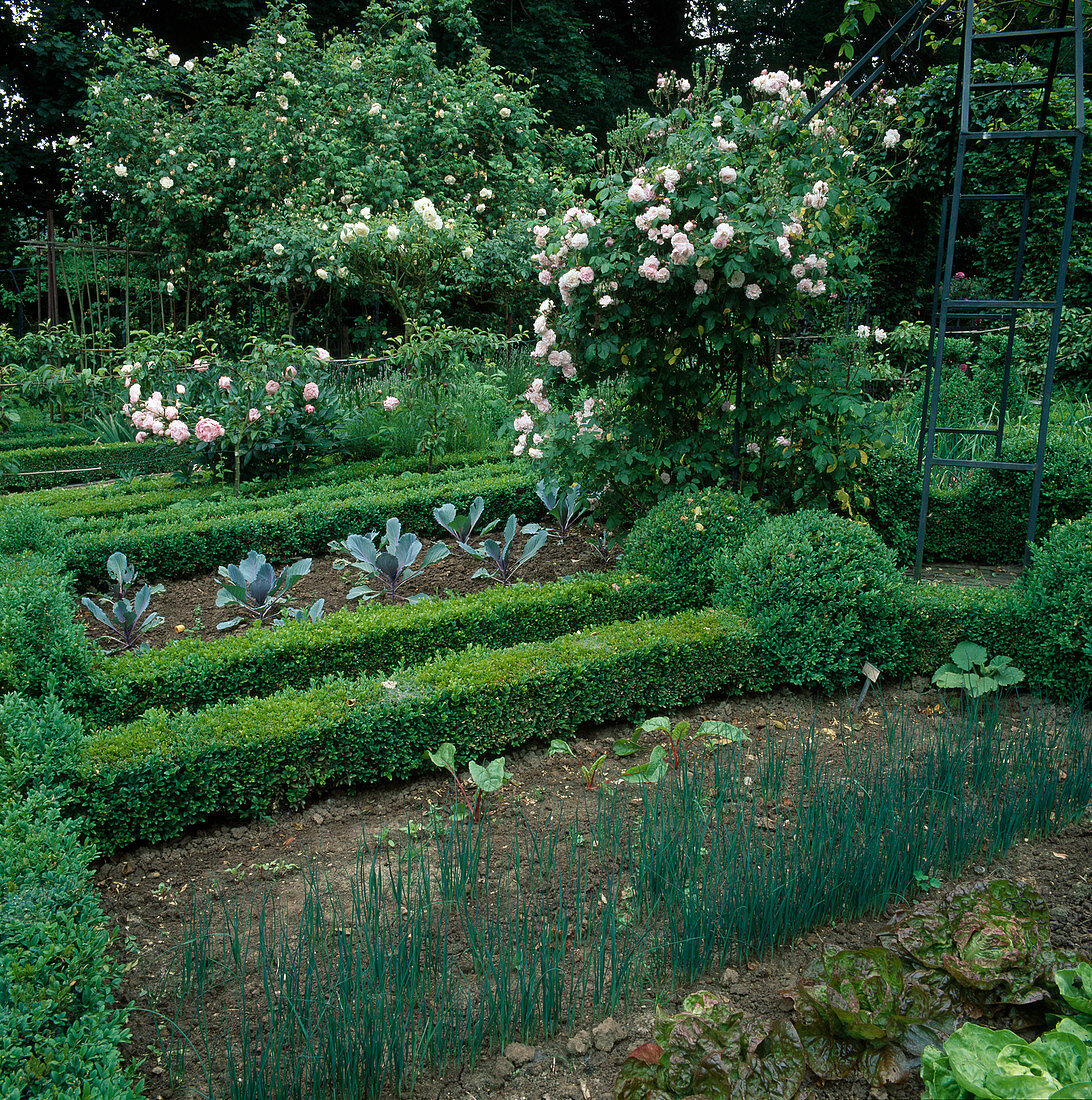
871	675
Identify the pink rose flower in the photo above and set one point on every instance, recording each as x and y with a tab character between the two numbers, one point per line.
141	436
391	403
308	408
290	372
321	354
310	391
178	431
201	365
208	429
271	387
134	392
253	415
224	383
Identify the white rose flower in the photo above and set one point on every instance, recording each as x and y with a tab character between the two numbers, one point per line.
121	170
231	162
173	60
281	40
354	64
468	252
170	287
278	249
449	180
188	66
166	182
504	112
480	207
374	109
392	232
322	273
485	193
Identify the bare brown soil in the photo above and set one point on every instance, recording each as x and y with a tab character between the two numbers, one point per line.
146	892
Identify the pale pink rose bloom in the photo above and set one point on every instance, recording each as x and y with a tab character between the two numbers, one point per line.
224	383
126	409
141	436
178	431
253	415
391	403
568	370
290	372
157	426
208	429
752	291
545	278
154	405
321	354
180	389
271	387
134	392
170	412
700	286
587	275
201	365
533	452
523	422
754	449
784	441
310	391
728	174
308	408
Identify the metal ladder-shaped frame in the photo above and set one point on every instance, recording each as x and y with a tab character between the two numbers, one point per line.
945	307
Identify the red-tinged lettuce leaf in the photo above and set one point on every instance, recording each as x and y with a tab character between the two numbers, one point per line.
860	1011
989	937
639	1077
710	1050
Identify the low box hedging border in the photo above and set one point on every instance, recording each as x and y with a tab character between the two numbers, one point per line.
152	779
61	1032
354	642
189	543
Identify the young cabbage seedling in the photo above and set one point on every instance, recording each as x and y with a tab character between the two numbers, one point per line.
256	589
588	771
123	618
388	565
486	779
501	555
461	528
565	509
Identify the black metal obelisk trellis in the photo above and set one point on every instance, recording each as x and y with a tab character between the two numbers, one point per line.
1060	29
1055	37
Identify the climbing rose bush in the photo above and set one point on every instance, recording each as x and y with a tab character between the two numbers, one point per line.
677	281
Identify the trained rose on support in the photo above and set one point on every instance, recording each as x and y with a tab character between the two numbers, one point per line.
678	280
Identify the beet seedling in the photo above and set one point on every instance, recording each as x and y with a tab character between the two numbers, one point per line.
588	771
485	778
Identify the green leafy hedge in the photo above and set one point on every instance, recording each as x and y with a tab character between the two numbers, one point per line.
986	519
59	1033
198	536
154	778
372	640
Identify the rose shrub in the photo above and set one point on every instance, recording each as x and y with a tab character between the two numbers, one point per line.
675	284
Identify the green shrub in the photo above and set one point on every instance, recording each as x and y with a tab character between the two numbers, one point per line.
199	534
25	527
43	649
823	595
1057	611
155	777
892	483
39	742
679	541
194	673
59	1034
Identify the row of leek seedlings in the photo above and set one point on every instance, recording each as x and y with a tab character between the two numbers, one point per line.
441	953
